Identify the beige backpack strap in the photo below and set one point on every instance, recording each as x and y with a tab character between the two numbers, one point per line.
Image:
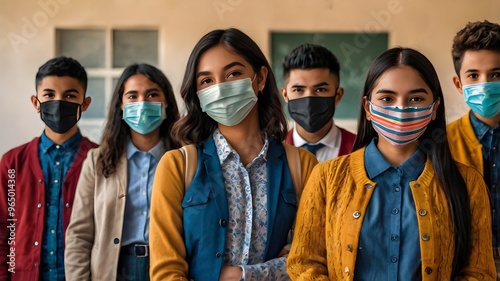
293	158
190	155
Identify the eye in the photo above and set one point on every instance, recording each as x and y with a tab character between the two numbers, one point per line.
473	76
131	96
153	95
321	90
297	90
234	74
386	99
206	81
70	96
495	75
48	95
416	99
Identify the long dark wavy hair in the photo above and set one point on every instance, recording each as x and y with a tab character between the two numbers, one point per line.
116	131
197	126
433	142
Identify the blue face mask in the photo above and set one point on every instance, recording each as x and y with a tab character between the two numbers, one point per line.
144	117
483	98
228	103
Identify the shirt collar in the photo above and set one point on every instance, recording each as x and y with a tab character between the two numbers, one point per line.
330	139
224	149
157	151
480	129
69	145
375	163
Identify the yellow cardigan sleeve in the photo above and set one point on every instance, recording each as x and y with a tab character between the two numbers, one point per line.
306	262
481	263
168	253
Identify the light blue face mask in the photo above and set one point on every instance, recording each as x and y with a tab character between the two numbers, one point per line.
483	98
228	103
144	117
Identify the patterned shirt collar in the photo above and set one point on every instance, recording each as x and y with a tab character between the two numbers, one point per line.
224	150
70	145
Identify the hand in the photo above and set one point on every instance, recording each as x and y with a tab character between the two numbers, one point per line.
230	273
285	251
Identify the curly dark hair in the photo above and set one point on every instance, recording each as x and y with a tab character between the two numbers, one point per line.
475	36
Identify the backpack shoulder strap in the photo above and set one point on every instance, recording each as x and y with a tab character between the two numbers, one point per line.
293	158
190	155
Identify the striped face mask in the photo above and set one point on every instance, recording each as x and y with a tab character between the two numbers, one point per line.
400	126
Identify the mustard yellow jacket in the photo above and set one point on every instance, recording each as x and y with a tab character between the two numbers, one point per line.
464	145
331	214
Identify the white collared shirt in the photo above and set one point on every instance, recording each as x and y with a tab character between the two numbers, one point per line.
331	141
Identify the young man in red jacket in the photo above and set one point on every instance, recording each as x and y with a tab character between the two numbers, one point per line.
312	91
38	179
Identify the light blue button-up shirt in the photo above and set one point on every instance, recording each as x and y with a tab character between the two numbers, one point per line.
389	245
141	167
55	161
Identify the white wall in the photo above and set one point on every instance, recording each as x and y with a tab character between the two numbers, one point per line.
426	25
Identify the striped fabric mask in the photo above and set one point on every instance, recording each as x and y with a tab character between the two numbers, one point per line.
400	126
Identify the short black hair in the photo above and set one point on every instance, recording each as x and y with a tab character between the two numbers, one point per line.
62	66
309	56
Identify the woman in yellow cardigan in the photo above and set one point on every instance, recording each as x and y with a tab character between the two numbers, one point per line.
398	207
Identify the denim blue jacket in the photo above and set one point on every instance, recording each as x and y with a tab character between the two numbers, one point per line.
206	212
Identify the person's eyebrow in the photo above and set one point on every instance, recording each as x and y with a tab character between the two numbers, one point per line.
321	84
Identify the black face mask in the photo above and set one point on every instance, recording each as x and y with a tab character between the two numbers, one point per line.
59	115
312	113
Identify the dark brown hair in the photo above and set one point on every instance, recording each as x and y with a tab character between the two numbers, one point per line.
197	126
475	36
433	142
117	132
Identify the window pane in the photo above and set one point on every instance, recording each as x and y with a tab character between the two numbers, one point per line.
96	91
84	45
135	46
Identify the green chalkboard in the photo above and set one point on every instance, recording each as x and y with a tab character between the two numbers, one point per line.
355	52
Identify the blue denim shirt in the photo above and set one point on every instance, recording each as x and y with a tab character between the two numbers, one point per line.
141	167
55	161
489	137
389	245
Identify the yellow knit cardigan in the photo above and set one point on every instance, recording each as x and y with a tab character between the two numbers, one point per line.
331	214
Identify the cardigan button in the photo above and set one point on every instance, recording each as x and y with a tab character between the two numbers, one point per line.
422	212
36	243
356	214
39	205
116	240
218	255
368	186
67	205
428	270
40	180
349	247
222	222
426	237
416	185
346	271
